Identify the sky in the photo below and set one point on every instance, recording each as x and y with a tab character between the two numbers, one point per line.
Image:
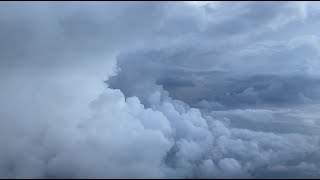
159	89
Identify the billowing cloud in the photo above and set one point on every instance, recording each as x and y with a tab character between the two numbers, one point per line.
159	90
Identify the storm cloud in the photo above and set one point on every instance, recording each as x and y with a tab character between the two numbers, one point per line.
159	90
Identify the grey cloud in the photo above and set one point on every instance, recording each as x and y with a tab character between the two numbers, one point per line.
220	90
256	89
233	88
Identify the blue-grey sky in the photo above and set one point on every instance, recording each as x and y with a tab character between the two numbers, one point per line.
159	89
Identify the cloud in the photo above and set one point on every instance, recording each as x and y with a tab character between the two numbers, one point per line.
213	91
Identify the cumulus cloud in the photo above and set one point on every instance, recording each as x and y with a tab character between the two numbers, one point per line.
212	90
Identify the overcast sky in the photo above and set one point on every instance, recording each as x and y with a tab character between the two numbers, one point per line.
159	89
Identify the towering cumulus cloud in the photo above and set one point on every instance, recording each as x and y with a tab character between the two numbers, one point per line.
159	90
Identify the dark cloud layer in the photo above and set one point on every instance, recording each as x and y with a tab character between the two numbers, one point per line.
159	90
